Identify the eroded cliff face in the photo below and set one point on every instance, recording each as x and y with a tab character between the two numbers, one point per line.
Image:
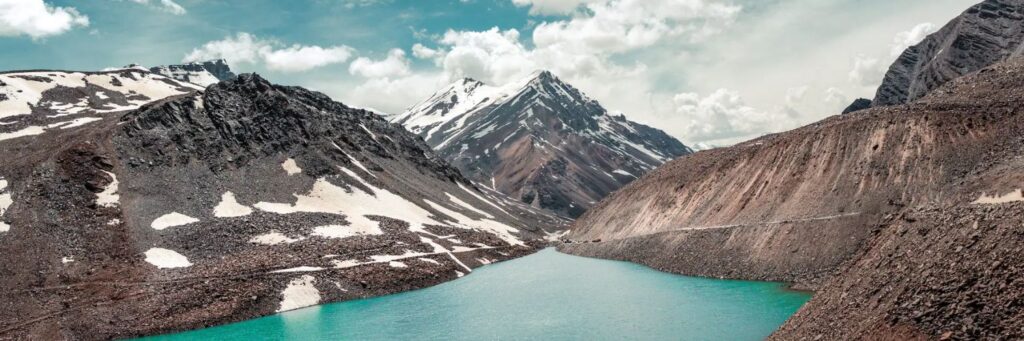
905	213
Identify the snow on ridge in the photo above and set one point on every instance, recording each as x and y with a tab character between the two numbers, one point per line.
25	90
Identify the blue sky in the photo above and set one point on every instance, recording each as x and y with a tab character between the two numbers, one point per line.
706	71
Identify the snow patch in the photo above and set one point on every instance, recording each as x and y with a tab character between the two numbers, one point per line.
166	259
396	264
340	232
109	197
1017	195
291	167
68	259
428	260
501	230
300	293
355	204
467	206
229	207
172	219
298	269
27	131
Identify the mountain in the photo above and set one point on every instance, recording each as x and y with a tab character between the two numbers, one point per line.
219	204
538	139
201	73
904	219
857	105
984	34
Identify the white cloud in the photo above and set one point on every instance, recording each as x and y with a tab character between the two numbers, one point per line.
867	71
37	19
423	52
906	39
165	5
551	7
836	97
723	117
246	48
623	25
393	95
302	58
394	65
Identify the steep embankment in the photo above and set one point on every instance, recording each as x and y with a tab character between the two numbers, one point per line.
914	208
793	206
228	203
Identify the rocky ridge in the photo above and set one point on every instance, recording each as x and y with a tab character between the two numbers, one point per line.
987	33
200	73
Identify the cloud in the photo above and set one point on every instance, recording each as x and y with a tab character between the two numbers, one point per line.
423	52
393	95
37	19
906	39
551	7
364	3
836	97
247	48
867	71
723	117
302	58
394	65
165	5
623	25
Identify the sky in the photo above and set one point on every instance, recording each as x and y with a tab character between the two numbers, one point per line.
709	72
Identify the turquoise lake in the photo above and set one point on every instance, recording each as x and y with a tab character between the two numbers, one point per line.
548	296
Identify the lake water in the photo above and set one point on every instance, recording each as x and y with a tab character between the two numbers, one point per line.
548	295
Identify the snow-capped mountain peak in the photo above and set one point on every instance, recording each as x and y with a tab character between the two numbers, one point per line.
526	137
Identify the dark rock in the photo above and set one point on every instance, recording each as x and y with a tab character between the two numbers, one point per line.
857	105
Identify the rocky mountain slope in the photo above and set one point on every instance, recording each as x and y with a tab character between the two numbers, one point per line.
540	140
984	34
904	218
216	205
201	73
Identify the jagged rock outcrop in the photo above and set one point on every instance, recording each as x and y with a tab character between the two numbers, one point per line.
902	217
200	73
540	140
857	105
984	34
239	200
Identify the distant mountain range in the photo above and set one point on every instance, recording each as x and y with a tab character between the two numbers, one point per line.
134	203
539	140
